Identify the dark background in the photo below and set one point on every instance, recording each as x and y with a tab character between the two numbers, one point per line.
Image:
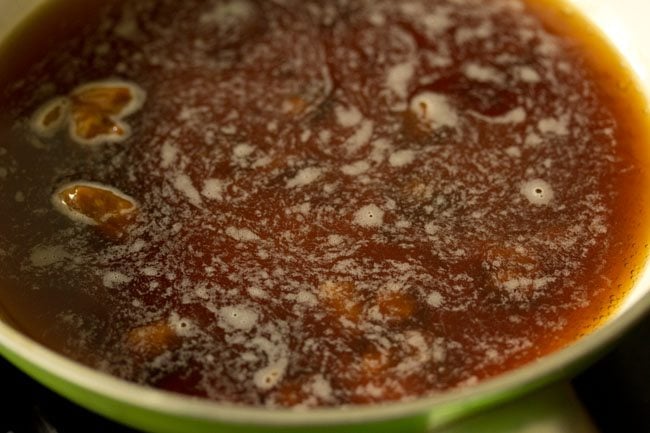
615	391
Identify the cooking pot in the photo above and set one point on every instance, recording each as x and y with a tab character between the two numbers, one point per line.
624	23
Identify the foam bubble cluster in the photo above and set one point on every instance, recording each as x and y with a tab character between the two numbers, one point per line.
92	203
93	112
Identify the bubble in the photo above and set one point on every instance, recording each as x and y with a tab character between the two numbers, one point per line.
183	326
92	203
434	110
51	116
537	191
93	112
369	216
271	375
238	317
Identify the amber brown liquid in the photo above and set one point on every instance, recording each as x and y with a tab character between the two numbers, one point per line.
68	305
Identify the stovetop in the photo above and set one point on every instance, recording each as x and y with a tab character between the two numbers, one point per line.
615	391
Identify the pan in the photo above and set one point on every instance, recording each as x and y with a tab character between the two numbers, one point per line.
523	395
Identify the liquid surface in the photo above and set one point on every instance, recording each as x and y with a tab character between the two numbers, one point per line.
316	203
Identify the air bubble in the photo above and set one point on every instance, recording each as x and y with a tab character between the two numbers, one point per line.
434	110
369	216
238	317
537	191
268	377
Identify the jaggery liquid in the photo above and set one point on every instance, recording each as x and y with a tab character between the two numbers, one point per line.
339	202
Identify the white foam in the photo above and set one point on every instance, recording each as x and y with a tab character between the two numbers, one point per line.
435	299
304	177
437	23
307	298
528	74
325	135
269	376
377	19
398	78
212	189
533	140
227	12
168	154
482	31
422	354
482	73
348	116
403	224
60	104
238	317
369	216
598	225
303	208
243	150
112	279
241	234
439	351
361	137
431	228
513	151
47	255
434	109
356	168
401	158
334	239
150	271
537	191
305	135
516	115
182	326
202	292
183	184
553	126
321	387
137	245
